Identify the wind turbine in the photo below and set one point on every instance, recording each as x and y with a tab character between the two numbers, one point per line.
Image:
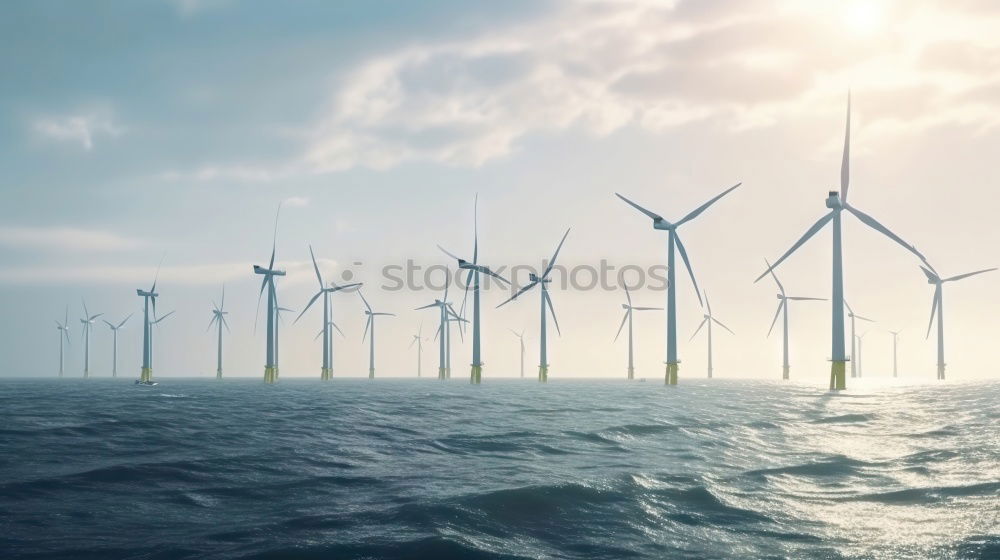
895	343
674	240
860	338
708	320
444	309
419	341
63	334
629	308
88	322
855	366
452	318
783	300
151	325
146	374
219	320
937	306
546	301
114	332
520	338
271	364
326	373
472	282
370	325
278	321
837	202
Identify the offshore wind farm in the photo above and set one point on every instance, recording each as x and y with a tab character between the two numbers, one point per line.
458	199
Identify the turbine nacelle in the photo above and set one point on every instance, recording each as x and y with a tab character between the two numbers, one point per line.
267	271
662	224
146	294
833	201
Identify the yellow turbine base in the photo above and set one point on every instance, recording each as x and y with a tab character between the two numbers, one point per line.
325	374
476	376
371	373
218	374
838	375
671	377
631	373
146	374
270	374
543	374
941	371
441	373
784	372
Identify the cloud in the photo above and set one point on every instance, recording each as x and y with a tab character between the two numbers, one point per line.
81	129
64	239
295	202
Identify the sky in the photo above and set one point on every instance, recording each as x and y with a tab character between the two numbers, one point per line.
135	131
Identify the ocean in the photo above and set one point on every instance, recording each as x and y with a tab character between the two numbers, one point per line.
396	468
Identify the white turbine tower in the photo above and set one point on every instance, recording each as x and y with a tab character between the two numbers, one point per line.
937	306
837	202
674	240
151	337
895	343
63	336
146	373
419	341
88	322
326	373
370	327
855	364
545	302
219	320
629	308
444	310
520	339
472	283
708	320
114	335
860	338
271	363
783	300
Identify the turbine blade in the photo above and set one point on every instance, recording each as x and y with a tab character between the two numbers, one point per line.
647	309
628	297
425	306
225	323
109	324
475	230
211	322
775	276
621	326
316	268
874	224
932	277
319	334
775	320
864	318
365	334
497	276
845	163
465	297
125	320
157	275
223	306
342	335
696	331
552	262
799	298
967	274
809	233
687	263
274	242
308	305
437	332
519	292
552	310
708	304
718	322
368	307
656	217
450	254
694	213
934	306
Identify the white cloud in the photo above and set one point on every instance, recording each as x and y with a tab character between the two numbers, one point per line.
65	239
77	128
295	201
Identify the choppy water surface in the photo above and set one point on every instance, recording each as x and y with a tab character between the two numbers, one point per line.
509	469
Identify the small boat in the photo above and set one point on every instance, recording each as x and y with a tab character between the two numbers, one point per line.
146	383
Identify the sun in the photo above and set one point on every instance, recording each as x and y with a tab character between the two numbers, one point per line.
862	17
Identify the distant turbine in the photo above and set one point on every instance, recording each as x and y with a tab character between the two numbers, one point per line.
855	367
783	311
419	341
472	283
674	240
520	338
370	325
546	302
860	338
219	320
88	322
452	318
278	321
708	320
629	308
895	342
326	373
271	365
151	337
837	202
114	332
146	374
63	335
937	306
444	310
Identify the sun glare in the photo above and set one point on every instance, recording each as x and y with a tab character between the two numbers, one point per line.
862	17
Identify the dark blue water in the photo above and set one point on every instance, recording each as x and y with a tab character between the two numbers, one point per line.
509	469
